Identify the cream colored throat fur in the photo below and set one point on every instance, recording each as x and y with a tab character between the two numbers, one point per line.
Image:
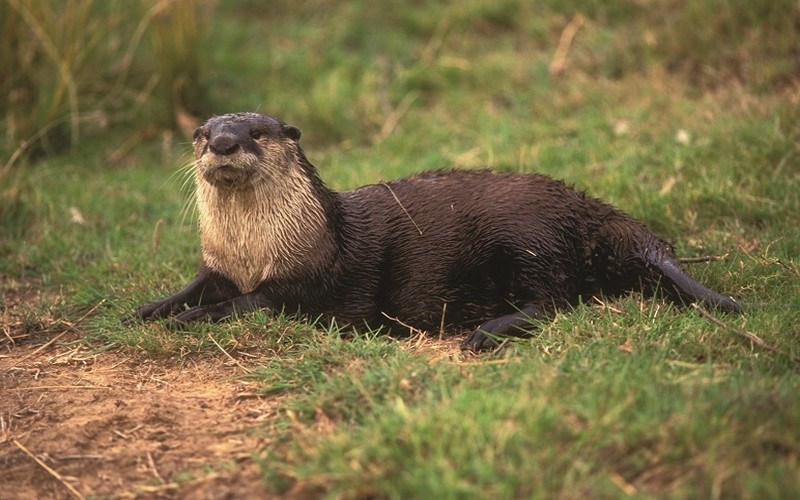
266	230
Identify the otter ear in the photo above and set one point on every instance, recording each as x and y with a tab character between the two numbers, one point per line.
292	132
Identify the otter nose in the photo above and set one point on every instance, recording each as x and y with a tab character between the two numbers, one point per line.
224	144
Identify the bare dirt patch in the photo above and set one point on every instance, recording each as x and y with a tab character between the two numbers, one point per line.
79	423
110	425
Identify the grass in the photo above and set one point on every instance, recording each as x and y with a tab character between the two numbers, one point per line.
696	138
75	69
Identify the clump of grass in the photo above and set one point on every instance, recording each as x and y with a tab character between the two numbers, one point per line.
177	34
76	67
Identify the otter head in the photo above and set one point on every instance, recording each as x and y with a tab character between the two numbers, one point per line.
259	200
240	150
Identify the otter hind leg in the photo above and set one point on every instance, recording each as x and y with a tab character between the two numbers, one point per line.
511	325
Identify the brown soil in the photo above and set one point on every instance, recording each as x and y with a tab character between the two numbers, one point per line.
75	424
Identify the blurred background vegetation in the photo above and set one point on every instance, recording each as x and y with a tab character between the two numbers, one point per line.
79	68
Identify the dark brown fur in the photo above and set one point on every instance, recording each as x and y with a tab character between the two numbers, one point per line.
464	249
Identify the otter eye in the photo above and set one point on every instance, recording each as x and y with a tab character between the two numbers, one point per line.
198	133
256	133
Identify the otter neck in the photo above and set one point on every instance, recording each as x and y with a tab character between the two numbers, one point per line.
275	228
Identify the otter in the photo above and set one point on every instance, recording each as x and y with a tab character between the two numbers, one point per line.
463	250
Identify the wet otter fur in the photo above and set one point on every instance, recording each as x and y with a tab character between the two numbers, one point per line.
466	250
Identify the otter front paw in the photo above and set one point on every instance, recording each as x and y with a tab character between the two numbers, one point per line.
213	313
156	310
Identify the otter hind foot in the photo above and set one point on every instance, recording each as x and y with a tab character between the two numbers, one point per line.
480	340
516	324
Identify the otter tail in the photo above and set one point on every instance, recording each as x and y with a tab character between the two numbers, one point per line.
682	287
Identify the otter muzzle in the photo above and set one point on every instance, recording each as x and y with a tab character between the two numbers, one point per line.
226	176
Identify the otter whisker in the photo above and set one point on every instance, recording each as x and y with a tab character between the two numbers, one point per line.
184	177
188	209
